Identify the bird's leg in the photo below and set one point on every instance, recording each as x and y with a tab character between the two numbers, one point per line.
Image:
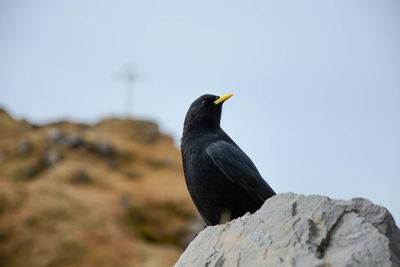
225	217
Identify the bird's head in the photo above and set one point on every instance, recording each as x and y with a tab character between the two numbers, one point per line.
205	112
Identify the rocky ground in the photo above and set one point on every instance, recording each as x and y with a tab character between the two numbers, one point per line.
110	194
297	230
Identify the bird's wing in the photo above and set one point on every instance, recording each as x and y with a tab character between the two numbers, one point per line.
237	166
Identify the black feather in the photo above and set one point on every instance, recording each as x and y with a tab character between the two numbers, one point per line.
220	177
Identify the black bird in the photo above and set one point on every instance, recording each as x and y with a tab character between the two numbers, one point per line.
221	178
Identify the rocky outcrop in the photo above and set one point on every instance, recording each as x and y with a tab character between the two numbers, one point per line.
297	230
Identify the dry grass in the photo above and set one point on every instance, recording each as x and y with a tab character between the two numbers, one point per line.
112	194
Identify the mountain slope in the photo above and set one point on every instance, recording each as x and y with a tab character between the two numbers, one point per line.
111	194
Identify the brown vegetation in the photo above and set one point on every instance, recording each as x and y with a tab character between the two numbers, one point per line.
112	194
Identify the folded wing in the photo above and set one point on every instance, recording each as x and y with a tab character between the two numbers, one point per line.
238	167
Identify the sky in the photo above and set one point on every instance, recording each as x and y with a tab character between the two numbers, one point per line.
316	83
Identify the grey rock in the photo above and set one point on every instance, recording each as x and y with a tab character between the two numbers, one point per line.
103	148
68	140
51	157
54	135
24	147
72	140
297	230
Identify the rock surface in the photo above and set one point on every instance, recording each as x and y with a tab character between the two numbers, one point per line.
297	230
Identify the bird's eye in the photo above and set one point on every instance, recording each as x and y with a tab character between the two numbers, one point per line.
203	102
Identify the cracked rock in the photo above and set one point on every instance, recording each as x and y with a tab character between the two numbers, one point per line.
297	230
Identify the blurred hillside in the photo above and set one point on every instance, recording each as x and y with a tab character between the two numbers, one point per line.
71	194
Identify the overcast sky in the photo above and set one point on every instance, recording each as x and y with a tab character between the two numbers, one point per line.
316	83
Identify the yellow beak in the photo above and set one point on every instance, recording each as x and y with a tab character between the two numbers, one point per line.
222	98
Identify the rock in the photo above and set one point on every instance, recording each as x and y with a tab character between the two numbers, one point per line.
67	140
297	230
103	148
51	157
54	135
24	147
72	140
